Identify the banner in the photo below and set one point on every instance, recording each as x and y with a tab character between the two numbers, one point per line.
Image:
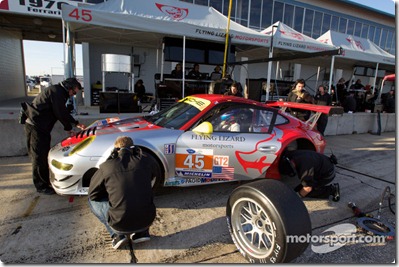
40	8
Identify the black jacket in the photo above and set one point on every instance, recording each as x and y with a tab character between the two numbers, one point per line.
50	106
126	182
311	166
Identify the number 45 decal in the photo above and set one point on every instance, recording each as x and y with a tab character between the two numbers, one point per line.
196	161
84	14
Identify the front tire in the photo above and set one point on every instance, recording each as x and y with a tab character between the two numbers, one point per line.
156	173
260	216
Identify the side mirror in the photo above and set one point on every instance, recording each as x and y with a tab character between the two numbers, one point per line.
204	128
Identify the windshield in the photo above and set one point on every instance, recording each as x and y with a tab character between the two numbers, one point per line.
175	116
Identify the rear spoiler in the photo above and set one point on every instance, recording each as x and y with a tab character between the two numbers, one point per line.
317	109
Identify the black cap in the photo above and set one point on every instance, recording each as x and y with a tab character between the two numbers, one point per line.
71	83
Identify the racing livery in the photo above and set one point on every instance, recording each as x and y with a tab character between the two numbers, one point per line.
199	140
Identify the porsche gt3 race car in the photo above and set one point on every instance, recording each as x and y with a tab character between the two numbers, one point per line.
202	139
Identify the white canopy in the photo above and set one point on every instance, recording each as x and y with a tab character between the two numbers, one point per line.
357	48
133	21
285	37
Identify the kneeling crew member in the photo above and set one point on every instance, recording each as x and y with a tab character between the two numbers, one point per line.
120	194
315	170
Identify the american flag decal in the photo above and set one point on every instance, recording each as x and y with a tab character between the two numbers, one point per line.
223	172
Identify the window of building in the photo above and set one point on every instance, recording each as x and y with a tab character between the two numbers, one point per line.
365	31
358	28
216	4
308	23
342	25
267	11
318	17
389	41
288	15
371	32
351	27
255	13
298	21
377	36
334	23
242	12
383	38
201	2
278	11
326	23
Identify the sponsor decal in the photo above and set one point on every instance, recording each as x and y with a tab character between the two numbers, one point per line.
176	13
4	4
199	103
40	8
169	149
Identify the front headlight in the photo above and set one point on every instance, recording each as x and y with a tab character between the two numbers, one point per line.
82	145
61	166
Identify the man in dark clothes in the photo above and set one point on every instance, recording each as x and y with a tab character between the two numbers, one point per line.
315	171
120	194
322	98
299	94
47	108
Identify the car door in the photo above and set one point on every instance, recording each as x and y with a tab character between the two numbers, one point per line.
230	152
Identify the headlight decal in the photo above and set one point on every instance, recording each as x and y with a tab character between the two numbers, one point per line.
61	166
82	145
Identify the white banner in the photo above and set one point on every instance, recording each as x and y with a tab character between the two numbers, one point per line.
40	8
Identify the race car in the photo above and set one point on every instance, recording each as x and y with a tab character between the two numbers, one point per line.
201	139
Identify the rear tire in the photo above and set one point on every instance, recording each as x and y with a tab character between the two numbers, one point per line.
260	216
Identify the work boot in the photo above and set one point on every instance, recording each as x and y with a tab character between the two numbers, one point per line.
335	192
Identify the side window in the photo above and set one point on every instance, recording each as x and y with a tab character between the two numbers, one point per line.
263	120
233	120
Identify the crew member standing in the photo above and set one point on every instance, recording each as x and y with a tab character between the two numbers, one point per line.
47	108
322	98
299	94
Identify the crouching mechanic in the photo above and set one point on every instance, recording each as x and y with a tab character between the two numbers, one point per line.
315	171
120	194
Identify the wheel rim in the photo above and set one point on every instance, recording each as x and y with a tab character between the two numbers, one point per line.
252	228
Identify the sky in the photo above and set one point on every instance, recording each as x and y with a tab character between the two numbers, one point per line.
47	58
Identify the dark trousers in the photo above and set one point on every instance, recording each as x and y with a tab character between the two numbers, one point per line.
322	123
38	145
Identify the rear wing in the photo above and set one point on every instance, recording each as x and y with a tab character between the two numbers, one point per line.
316	109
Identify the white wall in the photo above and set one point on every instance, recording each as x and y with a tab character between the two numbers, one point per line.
12	73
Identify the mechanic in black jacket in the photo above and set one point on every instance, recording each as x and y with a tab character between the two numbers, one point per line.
48	107
120	194
315	171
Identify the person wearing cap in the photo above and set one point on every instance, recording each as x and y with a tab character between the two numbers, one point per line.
48	107
120	194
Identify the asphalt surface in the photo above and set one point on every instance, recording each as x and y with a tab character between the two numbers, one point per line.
190	226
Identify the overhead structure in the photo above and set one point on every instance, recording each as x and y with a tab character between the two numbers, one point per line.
285	37
358	49
146	22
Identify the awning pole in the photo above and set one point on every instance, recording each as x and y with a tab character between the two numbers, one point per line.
226	45
162	60
331	74
317	77
184	66
269	65
375	77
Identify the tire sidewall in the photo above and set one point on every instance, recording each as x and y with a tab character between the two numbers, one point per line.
278	250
